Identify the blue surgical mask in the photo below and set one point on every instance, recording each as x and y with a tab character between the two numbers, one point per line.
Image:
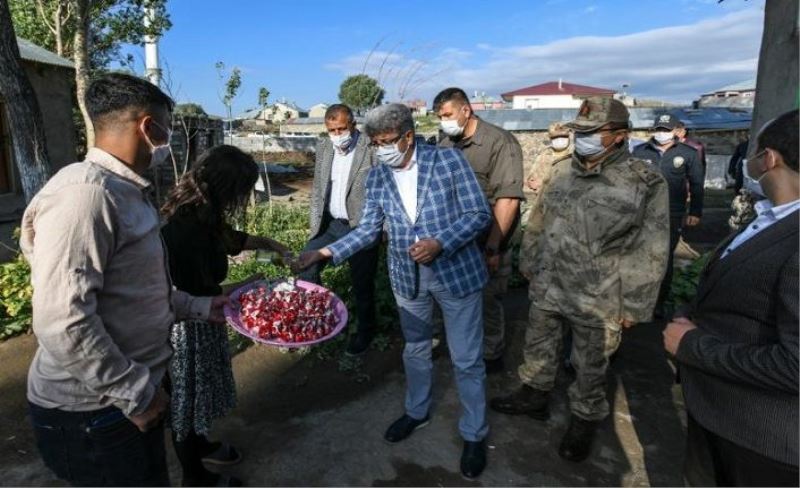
589	144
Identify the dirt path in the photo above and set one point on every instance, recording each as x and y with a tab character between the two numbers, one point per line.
303	422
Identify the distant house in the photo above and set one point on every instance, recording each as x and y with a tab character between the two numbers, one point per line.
418	107
53	80
309	126
553	94
487	103
317	110
271	114
738	95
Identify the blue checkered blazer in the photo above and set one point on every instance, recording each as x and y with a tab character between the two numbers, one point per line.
450	207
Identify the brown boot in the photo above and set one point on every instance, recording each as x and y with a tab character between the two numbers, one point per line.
525	401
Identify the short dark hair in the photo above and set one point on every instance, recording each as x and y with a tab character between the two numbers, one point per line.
112	95
339	108
781	135
680	125
451	94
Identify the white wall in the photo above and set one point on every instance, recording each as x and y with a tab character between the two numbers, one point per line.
546	101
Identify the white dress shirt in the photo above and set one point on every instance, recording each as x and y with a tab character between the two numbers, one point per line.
406	181
340	174
767	215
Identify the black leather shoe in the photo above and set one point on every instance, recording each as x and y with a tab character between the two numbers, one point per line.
525	401
404	427
473	459
359	344
494	366
577	442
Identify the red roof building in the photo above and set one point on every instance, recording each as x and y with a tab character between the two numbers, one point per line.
553	94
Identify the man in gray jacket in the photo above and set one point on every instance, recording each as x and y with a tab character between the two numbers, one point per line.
343	162
737	347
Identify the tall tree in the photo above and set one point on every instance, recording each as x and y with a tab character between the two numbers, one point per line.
27	133
91	32
360	92
263	100
230	90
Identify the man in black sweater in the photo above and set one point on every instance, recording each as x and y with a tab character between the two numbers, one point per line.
737	348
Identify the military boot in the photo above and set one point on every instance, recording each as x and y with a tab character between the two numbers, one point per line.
577	442
525	401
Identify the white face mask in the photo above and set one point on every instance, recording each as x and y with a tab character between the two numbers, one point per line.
158	154
751	184
390	155
559	143
341	141
451	128
662	137
589	144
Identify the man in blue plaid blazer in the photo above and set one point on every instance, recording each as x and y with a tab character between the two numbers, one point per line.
433	207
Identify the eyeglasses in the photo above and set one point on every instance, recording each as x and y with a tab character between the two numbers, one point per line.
386	143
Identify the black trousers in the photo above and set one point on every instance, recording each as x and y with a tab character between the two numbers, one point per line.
714	461
99	448
675	225
363	266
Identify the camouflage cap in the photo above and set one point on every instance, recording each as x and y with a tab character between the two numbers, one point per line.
557	129
596	112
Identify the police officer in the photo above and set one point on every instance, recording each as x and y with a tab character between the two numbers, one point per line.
594	251
681	166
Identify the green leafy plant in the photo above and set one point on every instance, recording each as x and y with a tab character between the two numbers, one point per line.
16	294
685	281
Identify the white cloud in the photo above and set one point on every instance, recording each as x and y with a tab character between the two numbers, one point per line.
674	63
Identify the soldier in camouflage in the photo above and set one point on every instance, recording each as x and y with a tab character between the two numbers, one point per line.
595	251
540	171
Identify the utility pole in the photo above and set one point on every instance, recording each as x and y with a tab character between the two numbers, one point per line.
152	70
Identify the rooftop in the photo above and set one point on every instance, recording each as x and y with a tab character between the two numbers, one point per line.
37	54
557	88
745	85
704	118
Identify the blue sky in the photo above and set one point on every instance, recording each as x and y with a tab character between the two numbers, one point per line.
303	49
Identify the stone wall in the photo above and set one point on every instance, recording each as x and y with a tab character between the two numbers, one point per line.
275	144
720	145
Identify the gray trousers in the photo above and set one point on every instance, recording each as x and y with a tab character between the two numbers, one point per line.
464	329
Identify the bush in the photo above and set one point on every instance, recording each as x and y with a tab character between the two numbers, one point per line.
684	282
15	297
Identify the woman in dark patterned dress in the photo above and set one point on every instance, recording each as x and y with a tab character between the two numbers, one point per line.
199	240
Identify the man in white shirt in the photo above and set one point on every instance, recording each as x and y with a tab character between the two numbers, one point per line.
342	164
737	347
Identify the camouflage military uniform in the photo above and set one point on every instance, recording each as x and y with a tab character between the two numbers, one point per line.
595	251
539	171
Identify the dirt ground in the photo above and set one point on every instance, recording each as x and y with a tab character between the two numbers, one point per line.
302	422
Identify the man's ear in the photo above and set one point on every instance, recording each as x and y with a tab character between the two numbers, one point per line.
771	159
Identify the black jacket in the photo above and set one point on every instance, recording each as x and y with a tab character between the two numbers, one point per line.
739	368
679	164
